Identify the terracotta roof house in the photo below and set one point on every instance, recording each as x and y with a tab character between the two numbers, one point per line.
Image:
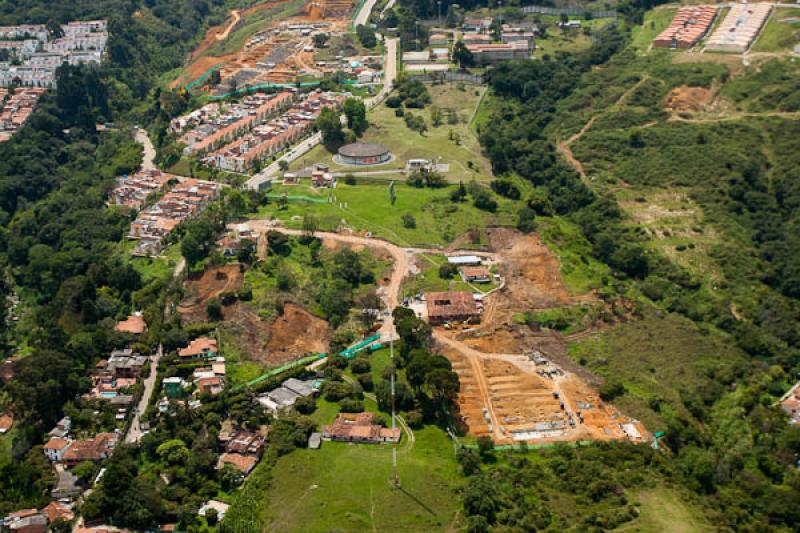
211	385
6	421
452	306
477	274
245	442
243	463
55	448
96	449
134	324
58	511
200	347
358	427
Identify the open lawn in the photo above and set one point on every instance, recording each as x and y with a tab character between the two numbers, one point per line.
347	487
781	32
366	207
662	509
457	150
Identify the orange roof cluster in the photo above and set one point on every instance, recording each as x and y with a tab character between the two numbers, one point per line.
133	191
242	463
244	121
358	427
689	26
18	108
184	200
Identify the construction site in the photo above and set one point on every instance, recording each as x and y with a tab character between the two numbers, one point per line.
278	46
517	382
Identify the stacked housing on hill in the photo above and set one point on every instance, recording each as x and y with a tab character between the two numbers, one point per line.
213	126
36	54
691	23
18	104
253	130
739	28
134	190
185	200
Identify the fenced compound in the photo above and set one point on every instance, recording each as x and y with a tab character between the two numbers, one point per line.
570	11
448	76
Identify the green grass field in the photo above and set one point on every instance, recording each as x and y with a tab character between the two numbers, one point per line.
662	509
655	21
366	207
347	487
781	32
387	129
656	357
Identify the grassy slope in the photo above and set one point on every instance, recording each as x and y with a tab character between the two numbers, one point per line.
438	220
655	358
655	21
405	144
663	510
779	34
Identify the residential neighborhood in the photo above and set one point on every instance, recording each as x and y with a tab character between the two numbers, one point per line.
155	223
36	54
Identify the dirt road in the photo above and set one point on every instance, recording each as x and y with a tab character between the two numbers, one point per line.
401	265
235	18
149	155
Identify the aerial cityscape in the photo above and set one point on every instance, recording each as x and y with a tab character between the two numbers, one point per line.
399	265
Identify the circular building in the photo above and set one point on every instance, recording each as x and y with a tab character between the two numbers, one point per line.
364	154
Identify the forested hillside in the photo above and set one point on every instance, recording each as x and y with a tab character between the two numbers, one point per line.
59	243
602	151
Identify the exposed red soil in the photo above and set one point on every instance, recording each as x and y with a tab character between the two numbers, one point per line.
210	284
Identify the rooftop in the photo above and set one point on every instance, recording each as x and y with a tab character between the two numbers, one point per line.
363	150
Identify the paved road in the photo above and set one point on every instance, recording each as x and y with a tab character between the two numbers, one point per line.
149	155
135	432
363	16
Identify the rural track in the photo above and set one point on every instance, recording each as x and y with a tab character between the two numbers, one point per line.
563	147
400	267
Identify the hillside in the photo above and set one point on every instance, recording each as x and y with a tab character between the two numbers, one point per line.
580	311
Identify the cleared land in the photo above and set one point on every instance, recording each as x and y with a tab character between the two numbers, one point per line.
201	288
405	144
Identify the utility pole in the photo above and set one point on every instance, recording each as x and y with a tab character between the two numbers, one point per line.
395	476
439	2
